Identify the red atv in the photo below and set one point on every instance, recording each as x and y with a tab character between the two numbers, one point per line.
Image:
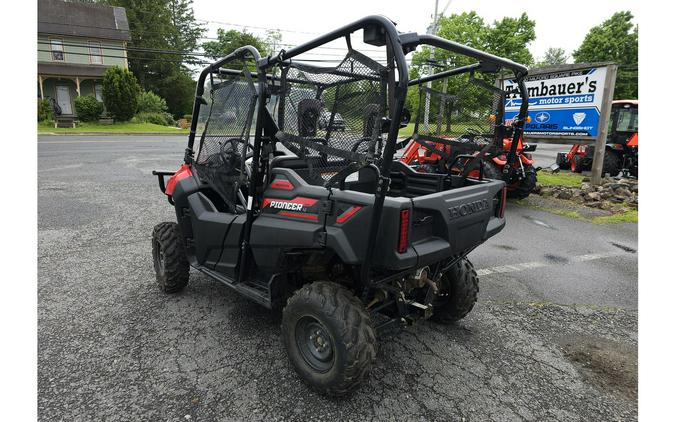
621	150
469	136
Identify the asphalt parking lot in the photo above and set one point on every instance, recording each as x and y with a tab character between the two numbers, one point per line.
553	337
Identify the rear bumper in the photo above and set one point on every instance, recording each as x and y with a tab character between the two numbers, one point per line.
450	223
495	225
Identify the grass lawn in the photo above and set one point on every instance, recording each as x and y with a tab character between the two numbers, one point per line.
125	127
404	132
625	216
546	178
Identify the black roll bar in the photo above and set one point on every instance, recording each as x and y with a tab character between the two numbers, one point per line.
519	70
445	74
435	41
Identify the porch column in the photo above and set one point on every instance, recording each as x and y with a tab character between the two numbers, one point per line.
42	91
77	85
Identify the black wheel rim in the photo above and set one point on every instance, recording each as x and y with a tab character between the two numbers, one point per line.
314	343
159	258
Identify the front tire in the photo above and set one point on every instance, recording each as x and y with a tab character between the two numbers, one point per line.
611	163
524	187
329	337
458	293
172	269
576	164
561	161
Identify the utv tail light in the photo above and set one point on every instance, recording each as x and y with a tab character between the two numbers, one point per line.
502	203
403	231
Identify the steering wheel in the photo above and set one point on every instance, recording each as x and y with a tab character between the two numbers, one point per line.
235	147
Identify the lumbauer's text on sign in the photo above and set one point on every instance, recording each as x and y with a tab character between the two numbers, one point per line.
561	103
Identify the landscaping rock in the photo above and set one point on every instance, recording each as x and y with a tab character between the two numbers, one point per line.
565	194
623	192
594	196
607	195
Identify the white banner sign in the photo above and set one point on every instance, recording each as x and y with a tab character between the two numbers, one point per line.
560	103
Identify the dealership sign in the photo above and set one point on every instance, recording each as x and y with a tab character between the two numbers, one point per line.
560	103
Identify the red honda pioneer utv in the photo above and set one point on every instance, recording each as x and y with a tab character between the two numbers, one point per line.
323	224
464	119
621	150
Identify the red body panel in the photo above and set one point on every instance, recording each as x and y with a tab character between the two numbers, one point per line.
183	172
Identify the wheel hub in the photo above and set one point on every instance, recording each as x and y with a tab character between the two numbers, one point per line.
314	343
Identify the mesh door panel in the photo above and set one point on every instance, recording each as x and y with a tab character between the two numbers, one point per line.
461	109
331	117
224	130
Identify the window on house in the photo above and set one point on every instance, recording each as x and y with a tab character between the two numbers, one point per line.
57	49
95	55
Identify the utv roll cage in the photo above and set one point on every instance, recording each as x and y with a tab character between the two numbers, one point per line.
257	82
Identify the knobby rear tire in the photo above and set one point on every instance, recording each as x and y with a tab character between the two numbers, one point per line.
337	313
459	293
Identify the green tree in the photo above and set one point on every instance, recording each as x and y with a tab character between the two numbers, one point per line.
510	38
616	40
120	93
185	31
507	38
230	40
552	57
167	25
272	41
180	92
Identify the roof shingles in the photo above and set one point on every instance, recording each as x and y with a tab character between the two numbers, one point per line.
82	20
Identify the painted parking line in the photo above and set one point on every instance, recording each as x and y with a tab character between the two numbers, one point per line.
529	265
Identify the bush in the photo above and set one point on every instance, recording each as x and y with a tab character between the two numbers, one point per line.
149	102
120	93
163	119
188	117
88	108
44	111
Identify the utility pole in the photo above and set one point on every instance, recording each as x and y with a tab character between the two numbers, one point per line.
432	56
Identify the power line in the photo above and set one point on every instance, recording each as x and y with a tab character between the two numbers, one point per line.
127	57
136	49
178	60
183	52
257	27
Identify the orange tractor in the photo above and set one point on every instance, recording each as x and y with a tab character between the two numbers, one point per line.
461	130
621	150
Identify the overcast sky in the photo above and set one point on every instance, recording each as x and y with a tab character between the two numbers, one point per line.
558	24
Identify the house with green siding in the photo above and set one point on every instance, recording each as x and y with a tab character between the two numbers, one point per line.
77	42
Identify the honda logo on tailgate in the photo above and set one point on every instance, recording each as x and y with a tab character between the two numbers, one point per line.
463	210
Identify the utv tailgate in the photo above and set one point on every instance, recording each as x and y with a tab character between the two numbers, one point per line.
450	222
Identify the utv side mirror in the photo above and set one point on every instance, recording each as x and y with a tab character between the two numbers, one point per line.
529	147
